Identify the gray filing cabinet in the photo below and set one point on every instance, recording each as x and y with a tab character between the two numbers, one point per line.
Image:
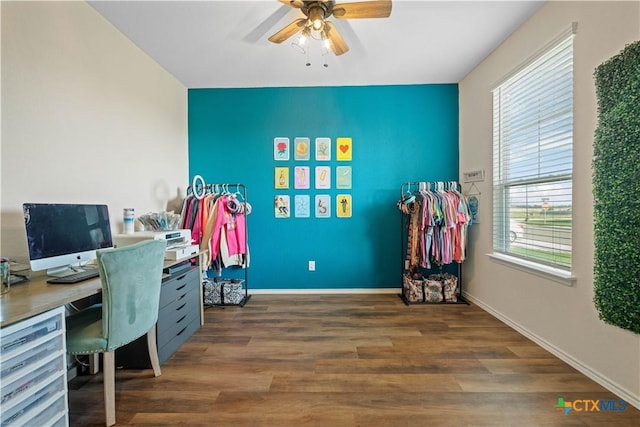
179	313
178	319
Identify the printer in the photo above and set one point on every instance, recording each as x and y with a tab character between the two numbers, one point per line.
178	242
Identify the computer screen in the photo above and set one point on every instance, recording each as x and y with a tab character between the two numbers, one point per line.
64	235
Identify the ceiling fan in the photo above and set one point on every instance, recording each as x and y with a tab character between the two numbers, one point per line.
317	13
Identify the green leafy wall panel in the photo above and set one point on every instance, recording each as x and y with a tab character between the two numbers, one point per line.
616	188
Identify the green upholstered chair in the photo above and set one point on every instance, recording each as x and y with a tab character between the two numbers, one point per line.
131	278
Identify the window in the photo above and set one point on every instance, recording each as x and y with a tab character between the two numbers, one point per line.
533	160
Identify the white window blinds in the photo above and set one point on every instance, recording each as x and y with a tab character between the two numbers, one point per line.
533	160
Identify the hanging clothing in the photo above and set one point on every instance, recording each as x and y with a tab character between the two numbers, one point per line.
437	226
218	224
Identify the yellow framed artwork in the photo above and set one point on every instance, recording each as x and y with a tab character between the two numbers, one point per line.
281	176
343	206
344	149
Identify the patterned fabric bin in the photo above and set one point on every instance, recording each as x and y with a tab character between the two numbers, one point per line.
223	291
449	284
412	288
432	291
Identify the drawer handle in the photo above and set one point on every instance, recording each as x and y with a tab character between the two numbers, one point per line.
180	333
181	307
181	319
181	277
181	287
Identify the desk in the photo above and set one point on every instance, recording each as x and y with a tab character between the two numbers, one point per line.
38	358
36	296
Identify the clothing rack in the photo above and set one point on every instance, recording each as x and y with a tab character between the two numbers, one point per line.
418	278
235	208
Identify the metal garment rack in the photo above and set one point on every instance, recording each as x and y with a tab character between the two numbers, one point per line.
408	190
199	189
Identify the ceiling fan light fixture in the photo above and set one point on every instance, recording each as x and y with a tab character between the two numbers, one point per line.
326	43
317	25
316	16
300	43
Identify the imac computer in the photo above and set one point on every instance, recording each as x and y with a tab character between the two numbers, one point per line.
61	238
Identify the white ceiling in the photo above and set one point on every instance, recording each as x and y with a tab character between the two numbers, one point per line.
222	44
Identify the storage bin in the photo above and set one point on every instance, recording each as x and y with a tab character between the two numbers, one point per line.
223	291
413	289
432	290
449	284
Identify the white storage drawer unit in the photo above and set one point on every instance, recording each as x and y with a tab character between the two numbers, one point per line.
33	372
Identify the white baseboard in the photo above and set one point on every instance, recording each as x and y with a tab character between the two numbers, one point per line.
329	291
605	382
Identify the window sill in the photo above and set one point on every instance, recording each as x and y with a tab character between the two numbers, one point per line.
561	276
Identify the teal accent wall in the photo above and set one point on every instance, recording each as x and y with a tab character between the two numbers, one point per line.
399	133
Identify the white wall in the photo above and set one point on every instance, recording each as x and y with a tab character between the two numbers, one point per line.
561	318
87	117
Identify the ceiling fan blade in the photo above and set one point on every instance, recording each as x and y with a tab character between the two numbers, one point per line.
288	31
293	3
356	48
260	32
364	9
338	45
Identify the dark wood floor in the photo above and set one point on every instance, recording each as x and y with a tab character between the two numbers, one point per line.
350	360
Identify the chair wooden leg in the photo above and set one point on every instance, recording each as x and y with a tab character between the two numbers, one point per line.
153	351
109	380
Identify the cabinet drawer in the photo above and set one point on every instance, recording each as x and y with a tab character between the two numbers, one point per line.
33	371
29	336
38	408
176	315
16	391
174	343
29	360
54	415
175	287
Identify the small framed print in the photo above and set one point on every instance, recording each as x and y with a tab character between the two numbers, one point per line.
301	148
301	177
281	148
302	206
323	149
281	175
344	148
281	204
323	206
343	177
323	177
343	206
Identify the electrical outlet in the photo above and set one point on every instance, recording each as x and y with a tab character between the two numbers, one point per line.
312	266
